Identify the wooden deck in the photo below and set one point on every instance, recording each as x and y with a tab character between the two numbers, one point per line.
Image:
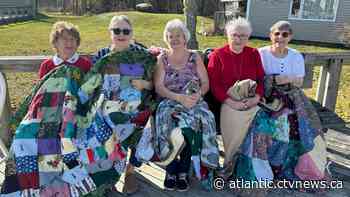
150	177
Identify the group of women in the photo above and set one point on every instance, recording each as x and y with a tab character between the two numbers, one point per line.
88	121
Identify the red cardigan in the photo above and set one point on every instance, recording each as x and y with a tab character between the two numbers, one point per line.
47	65
226	67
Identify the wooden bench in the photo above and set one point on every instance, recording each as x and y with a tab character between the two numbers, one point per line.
338	136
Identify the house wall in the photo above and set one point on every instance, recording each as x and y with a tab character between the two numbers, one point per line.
264	13
13	3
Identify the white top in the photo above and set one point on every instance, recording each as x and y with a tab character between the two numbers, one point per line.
291	65
57	60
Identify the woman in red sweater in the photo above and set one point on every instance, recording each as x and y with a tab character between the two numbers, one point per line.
227	65
65	39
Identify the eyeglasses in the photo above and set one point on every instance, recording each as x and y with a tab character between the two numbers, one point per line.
118	31
284	34
240	36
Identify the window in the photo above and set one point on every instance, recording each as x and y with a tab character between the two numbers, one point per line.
314	9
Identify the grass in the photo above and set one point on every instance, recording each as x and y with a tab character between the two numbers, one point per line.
31	38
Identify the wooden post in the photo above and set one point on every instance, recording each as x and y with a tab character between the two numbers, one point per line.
332	84
321	87
5	111
309	73
35	7
190	11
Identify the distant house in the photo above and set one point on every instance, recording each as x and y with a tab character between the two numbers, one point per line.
312	20
13	10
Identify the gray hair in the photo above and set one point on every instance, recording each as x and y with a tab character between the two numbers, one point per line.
176	24
119	18
238	23
282	25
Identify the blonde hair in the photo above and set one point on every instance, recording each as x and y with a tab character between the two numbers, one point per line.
62	26
176	24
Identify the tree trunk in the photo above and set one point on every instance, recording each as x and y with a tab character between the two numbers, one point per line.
190	11
132	4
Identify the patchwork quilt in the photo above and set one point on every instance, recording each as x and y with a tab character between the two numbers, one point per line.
73	131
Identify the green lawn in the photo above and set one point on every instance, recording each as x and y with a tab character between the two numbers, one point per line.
32	38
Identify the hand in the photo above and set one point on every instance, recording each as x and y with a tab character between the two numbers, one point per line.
282	79
188	101
252	102
140	84
236	105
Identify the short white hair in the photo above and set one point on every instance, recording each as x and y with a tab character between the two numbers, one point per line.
282	25
238	23
176	24
118	18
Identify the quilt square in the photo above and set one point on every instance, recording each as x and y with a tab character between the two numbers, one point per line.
28	180
49	130
50	163
49	146
132	69
27	164
25	147
52	179
28	129
51	114
53	99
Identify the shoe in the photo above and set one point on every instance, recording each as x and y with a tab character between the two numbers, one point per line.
182	182
130	184
170	182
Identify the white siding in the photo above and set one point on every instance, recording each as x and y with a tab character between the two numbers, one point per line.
263	14
13	3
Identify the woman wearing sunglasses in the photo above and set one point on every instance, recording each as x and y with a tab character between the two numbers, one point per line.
127	71
285	142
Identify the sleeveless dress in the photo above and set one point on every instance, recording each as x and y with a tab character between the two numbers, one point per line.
171	114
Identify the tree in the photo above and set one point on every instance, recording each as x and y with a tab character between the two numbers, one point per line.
190	11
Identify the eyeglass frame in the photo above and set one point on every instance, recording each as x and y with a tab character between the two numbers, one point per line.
284	34
121	31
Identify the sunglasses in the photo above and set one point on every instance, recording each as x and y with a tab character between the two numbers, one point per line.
284	34
118	31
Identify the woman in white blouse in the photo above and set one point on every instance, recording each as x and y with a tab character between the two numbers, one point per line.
278	59
284	143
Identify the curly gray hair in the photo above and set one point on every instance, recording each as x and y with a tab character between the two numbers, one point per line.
238	23
176	24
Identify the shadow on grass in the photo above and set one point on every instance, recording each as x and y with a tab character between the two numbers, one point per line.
27	20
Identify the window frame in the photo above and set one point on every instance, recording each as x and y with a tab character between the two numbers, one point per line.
299	18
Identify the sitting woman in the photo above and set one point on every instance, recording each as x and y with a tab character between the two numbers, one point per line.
116	102
35	166
286	139
74	138
181	79
65	39
121	35
228	66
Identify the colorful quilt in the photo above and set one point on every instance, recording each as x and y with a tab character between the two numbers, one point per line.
284	145
75	130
